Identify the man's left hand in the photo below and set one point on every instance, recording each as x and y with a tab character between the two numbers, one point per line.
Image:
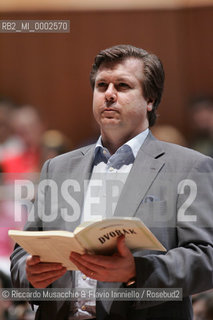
120	267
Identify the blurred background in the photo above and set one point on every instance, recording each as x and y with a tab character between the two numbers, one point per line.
46	99
51	71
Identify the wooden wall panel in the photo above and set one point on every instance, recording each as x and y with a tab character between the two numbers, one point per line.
51	71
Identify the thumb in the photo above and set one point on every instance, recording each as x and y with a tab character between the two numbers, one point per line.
31	260
122	248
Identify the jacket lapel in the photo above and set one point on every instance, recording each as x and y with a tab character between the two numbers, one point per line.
80	170
145	169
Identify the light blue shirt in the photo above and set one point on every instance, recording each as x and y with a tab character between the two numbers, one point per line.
135	143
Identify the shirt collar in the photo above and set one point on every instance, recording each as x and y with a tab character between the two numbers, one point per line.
134	143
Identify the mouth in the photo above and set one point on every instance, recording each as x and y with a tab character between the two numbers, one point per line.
109	113
110	110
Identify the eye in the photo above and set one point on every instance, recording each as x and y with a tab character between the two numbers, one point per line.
101	84
123	85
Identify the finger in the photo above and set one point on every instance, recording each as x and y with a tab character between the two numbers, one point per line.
123	250
45	276
103	275
91	271
88	265
31	260
44	283
98	260
43	267
82	268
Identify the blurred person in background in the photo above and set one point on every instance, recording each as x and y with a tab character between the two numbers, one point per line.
199	306
5	304
7	222
170	134
13	310
39	146
11	144
201	114
54	143
28	125
209	306
28	128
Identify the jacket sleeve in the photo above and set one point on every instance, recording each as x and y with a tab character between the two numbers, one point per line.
188	266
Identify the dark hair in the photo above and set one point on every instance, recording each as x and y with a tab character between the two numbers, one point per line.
153	73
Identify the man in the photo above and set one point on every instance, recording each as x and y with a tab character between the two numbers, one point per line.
167	186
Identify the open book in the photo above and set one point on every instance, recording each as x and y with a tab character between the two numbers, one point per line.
91	237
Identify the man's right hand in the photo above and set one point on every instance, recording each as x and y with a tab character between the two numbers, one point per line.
41	274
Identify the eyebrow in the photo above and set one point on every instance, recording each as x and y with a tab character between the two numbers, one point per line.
121	78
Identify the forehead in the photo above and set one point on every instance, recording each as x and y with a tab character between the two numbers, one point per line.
131	68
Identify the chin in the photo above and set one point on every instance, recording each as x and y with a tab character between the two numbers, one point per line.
109	123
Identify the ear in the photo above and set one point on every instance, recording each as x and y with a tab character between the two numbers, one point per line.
149	105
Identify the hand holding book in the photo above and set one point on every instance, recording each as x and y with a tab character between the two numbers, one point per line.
120	267
42	274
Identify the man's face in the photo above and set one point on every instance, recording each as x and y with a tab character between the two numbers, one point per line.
118	102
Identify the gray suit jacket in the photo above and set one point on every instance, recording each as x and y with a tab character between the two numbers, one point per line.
170	188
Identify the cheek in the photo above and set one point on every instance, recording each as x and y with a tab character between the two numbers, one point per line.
96	107
94	102
124	99
132	100
97	100
136	114
136	107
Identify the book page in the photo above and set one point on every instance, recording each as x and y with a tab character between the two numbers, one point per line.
51	246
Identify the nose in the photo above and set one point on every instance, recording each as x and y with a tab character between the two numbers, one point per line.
110	93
